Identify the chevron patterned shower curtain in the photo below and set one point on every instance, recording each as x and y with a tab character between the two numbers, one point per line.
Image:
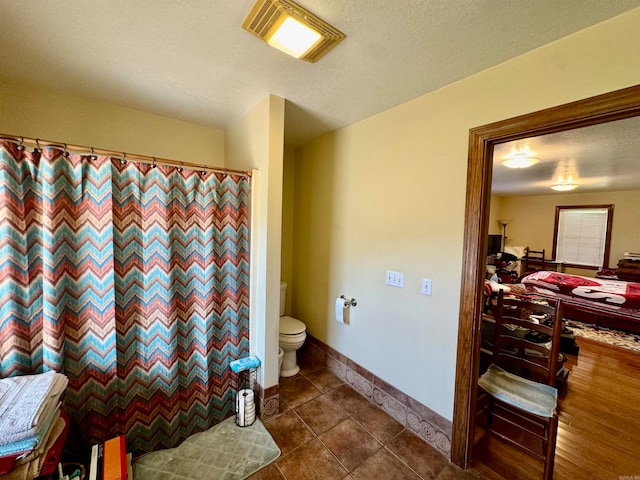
130	278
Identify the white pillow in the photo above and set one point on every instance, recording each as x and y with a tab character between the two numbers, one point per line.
517	251
496	287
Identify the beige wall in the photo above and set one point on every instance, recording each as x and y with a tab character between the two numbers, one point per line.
388	193
36	112
288	190
256	141
532	220
495	214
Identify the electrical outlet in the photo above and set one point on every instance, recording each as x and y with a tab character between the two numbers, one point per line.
395	279
426	286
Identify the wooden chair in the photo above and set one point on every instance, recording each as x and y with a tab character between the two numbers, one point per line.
518	392
533	260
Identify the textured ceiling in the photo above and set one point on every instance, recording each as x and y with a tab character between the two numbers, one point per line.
603	157
191	60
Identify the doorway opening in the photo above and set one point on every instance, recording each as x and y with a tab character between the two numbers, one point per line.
612	106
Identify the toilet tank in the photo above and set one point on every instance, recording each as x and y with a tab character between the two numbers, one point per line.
283	297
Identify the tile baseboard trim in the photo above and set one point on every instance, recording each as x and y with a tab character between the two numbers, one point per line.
428	425
268	402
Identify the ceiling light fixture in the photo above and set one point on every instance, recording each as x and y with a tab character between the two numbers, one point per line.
564	186
290	28
520	160
566	173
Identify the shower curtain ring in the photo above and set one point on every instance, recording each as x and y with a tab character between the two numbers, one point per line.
123	160
180	168
153	165
37	149
93	155
65	153
21	146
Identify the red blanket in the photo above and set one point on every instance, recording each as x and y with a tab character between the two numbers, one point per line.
614	293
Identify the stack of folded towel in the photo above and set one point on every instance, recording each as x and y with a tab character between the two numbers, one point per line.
32	424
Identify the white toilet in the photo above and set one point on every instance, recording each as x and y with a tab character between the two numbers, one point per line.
292	335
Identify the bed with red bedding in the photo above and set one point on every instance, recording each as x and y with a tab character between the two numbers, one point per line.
607	303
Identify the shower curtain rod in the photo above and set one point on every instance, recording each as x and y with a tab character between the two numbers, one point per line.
38	142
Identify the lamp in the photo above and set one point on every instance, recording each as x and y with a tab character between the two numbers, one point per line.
290	28
504	224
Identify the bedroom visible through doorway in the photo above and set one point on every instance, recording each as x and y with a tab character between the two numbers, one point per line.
604	108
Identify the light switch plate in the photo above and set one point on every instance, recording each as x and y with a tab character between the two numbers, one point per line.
426	286
395	279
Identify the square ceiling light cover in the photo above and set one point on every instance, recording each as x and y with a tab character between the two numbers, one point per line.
268	16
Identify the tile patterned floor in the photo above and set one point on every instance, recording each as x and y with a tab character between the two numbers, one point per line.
327	431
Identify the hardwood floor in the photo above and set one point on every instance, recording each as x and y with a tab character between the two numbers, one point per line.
599	432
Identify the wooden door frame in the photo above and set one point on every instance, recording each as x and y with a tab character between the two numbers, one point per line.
608	107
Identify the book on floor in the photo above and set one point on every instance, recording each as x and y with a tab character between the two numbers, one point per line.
129	467
95	464
109	460
115	459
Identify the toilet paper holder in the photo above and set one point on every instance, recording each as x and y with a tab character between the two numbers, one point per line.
348	301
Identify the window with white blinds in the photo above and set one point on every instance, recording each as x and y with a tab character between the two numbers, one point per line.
582	235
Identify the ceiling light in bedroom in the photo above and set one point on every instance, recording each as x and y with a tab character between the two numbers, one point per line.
519	160
565	175
564	186
290	28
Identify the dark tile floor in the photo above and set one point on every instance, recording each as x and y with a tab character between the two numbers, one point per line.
326	431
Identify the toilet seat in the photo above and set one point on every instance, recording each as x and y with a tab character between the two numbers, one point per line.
291	326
